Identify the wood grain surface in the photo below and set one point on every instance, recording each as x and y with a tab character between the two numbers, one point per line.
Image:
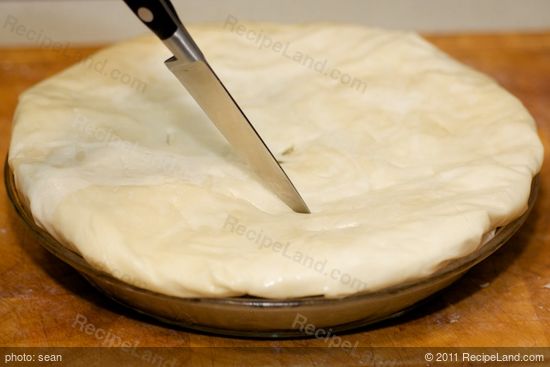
505	301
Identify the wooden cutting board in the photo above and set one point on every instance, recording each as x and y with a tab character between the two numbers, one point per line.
503	301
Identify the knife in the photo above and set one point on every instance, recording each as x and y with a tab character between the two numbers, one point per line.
191	68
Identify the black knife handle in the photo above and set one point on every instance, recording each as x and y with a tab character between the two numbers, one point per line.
155	16
170	7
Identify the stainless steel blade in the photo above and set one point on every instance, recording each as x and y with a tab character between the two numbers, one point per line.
206	88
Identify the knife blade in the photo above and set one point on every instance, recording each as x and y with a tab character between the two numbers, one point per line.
195	73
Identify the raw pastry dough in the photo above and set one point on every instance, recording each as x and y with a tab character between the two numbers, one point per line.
406	161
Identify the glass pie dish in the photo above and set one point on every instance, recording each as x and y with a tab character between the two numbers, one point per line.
269	318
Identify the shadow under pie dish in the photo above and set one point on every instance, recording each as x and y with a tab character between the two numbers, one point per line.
408	179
